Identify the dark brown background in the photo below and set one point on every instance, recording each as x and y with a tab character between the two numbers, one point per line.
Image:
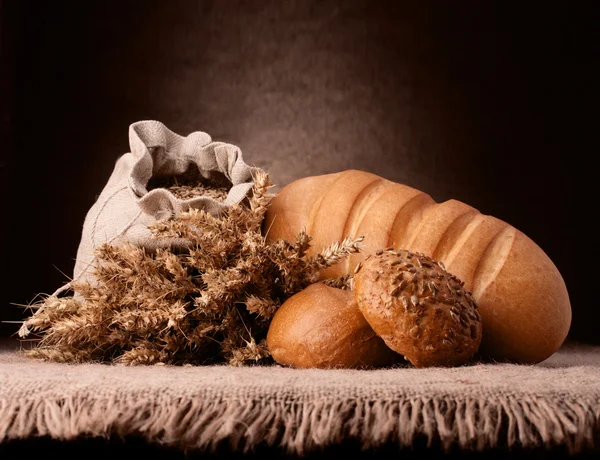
491	103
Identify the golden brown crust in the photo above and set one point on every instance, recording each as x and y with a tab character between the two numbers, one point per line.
527	313
322	327
520	293
419	309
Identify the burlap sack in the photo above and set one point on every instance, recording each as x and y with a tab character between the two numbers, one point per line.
126	207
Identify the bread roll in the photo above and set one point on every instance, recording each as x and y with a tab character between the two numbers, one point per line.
322	327
419	309
520	293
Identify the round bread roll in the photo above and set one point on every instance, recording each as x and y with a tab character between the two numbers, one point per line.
322	327
419	309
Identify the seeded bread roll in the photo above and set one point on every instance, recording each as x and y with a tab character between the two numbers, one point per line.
419	309
321	327
520	293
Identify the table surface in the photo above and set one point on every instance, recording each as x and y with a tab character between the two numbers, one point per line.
552	405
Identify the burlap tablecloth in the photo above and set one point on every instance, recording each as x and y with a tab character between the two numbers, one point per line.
553	404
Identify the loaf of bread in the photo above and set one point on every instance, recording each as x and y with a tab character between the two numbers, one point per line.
521	295
322	327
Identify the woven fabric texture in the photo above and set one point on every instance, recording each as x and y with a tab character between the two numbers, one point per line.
552	404
126	207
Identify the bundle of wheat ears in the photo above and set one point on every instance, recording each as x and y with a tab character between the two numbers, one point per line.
211	303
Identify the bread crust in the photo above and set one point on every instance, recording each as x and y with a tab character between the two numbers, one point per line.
322	327
419	309
521	295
